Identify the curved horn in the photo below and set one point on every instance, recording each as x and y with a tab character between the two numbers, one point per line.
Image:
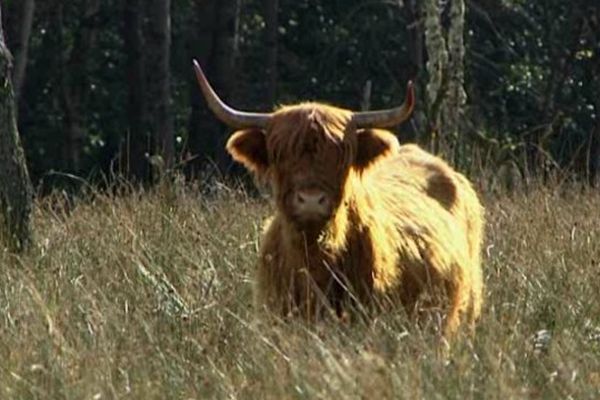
230	116
390	117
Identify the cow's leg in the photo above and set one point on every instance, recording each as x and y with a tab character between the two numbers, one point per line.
476	297
459	295
410	291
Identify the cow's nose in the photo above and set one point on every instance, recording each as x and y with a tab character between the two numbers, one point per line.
313	199
311	202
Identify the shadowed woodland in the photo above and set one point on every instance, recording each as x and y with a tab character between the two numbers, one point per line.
106	87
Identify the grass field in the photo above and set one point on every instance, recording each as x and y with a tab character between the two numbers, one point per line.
148	295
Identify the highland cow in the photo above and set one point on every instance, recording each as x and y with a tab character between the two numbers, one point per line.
360	220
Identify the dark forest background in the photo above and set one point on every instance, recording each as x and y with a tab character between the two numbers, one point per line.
106	88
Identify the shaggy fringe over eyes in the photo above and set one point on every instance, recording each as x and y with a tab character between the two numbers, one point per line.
308	128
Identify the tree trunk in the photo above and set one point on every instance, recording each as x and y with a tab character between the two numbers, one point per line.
15	188
22	45
413	16
272	24
223	58
215	47
138	141
437	64
158	79
202	127
594	157
446	96
74	80
457	97
365	104
594	150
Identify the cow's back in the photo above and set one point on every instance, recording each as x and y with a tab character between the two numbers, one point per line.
437	211
451	189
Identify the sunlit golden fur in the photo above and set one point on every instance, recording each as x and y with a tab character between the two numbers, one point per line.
403	221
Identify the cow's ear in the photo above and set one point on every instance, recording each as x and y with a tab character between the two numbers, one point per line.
249	147
373	144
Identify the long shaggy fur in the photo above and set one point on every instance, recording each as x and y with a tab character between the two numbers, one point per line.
404	222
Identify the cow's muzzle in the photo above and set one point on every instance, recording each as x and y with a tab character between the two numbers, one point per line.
311	205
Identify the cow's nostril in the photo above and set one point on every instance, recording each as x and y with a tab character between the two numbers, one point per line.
311	200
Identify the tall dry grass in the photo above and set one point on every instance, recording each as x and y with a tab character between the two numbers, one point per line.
148	295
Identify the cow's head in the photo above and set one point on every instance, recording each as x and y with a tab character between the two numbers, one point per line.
307	151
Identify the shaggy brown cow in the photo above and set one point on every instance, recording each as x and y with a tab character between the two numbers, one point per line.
360	220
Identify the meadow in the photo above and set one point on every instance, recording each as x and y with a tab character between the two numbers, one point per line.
147	295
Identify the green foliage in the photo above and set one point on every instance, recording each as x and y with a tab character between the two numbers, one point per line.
532	73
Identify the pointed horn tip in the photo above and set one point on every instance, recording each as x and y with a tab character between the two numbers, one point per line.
197	67
410	92
228	115
200	75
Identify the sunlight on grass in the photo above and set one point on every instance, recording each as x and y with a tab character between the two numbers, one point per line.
148	295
